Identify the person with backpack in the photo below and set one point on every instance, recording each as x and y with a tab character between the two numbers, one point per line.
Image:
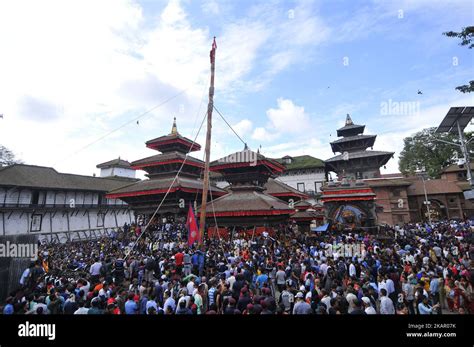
149	269
119	271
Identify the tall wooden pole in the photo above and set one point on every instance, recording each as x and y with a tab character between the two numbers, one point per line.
210	107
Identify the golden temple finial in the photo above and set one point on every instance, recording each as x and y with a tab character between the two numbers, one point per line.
174	129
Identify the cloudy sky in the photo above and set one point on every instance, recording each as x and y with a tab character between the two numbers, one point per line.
75	75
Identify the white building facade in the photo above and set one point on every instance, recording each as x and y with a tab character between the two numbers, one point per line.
41	201
304	173
116	168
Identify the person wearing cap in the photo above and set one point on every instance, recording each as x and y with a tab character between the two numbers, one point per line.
301	306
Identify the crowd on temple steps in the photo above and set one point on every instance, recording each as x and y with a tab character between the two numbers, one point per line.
407	269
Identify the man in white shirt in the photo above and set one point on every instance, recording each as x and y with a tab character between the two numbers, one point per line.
323	269
95	270
386	304
231	280
190	287
25	275
351	298
326	300
170	303
105	291
382	285
389	285
81	309
352	270
368	306
151	303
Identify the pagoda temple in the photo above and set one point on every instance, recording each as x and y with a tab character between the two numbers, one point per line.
145	196
350	203
246	204
355	161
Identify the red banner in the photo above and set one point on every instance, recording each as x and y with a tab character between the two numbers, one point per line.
193	231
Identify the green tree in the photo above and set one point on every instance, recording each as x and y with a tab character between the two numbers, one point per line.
7	157
467	36
423	151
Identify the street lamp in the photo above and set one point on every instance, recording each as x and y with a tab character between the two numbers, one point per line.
423	175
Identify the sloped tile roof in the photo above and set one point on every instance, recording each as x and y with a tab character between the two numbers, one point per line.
32	176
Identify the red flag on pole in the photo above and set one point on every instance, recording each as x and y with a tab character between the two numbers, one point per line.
212	53
193	231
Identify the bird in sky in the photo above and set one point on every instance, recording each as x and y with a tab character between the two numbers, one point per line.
419	92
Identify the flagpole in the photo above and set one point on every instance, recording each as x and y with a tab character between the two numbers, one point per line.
210	106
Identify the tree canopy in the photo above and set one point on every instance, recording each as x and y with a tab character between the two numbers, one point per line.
422	151
7	157
467	36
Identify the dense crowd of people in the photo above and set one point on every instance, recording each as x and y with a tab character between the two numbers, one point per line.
409	269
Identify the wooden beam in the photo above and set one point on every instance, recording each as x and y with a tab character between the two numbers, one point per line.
88	218
3	222
50	222
68	225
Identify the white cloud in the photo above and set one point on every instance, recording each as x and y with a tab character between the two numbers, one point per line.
211	7
288	117
261	134
243	128
91	66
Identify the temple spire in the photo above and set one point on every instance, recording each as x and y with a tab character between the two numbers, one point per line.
174	129
349	120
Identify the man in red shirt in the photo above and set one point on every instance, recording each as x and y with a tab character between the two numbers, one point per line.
178	258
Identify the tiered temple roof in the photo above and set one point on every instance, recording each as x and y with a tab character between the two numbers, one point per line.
355	161
247	172
144	196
